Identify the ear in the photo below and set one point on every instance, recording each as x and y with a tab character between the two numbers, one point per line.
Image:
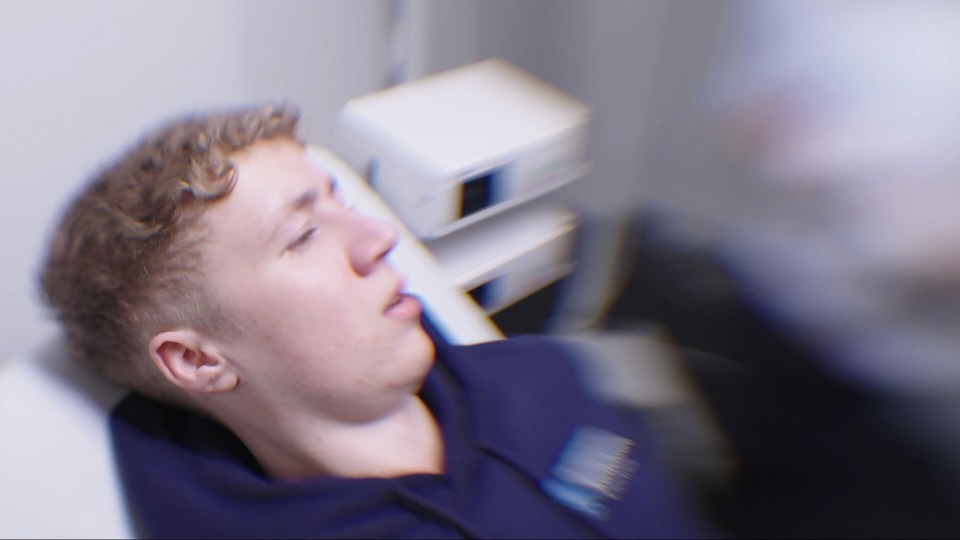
189	361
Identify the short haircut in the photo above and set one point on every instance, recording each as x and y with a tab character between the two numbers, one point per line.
124	263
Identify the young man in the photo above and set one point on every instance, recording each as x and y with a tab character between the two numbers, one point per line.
292	389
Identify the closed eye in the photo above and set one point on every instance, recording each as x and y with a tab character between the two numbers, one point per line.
301	239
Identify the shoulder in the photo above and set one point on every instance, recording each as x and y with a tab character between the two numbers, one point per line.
523	358
531	410
528	390
525	373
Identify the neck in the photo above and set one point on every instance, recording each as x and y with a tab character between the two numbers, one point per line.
405	441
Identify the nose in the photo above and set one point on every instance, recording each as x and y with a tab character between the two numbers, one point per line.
370	241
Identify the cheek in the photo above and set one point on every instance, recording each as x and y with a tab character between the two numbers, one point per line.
302	313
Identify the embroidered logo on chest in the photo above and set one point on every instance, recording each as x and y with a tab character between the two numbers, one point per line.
593	466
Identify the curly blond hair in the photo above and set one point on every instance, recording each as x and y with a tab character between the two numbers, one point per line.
124	261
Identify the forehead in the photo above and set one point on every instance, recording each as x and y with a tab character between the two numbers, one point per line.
275	165
270	176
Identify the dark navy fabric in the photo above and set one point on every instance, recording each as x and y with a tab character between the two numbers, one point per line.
508	411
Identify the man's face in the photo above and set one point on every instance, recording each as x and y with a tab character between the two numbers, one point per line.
322	322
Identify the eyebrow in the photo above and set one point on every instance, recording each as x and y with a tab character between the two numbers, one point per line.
303	201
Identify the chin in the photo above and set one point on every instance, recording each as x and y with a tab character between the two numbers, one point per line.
425	346
416	357
420	351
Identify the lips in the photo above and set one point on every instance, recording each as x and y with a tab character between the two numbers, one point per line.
401	305
397	295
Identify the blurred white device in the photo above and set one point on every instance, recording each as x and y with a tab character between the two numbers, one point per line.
58	478
502	260
451	149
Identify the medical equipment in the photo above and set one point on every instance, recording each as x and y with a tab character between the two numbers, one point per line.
501	261
453	148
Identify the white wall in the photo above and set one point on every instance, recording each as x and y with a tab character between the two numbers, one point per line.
80	81
646	67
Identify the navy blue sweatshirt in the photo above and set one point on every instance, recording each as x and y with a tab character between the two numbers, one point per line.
528	455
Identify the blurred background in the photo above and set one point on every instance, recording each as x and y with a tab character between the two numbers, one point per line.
773	181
